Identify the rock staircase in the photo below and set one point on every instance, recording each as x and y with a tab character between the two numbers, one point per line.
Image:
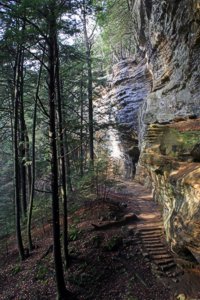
151	239
149	236
155	249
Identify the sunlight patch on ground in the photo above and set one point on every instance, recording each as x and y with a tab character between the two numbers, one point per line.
147	197
147	216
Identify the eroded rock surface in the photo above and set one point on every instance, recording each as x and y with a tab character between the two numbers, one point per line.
158	97
169	33
176	181
130	85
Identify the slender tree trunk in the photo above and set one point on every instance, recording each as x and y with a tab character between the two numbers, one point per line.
32	184
52	41
22	139
89	87
68	164
62	160
81	130
12	110
28	167
16	155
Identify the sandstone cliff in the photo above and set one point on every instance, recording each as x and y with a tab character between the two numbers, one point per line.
158	98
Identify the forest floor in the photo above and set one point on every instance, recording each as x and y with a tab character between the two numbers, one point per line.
118	252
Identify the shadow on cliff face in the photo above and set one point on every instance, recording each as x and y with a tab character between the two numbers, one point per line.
129	140
134	154
195	153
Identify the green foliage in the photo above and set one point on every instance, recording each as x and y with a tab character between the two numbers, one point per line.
96	241
80	279
73	233
114	243
30	33
86	182
73	207
131	297
76	219
16	269
41	272
115	19
6	192
177	144
105	172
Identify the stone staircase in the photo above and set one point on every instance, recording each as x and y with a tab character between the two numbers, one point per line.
155	249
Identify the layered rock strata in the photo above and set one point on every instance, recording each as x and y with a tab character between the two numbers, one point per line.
176	181
129	85
169	34
118	109
158	97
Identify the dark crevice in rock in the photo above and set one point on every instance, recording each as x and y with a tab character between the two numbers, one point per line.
195	153
187	254
148	6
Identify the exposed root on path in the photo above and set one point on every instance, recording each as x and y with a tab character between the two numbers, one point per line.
126	220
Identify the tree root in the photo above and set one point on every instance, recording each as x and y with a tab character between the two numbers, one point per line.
49	250
127	219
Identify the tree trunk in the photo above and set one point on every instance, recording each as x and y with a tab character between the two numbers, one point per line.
68	165
32	185
22	140
81	130
52	41
28	167
89	87
16	154
62	160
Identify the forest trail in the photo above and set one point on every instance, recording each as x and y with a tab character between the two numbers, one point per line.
126	260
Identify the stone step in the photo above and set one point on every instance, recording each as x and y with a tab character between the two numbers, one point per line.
151	240
152	231
149	229
162	256
158	252
149	233
164	261
152	246
152	235
174	273
150	249
168	266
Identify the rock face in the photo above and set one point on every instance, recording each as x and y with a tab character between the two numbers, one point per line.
158	97
129	85
169	34
119	106
176	181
